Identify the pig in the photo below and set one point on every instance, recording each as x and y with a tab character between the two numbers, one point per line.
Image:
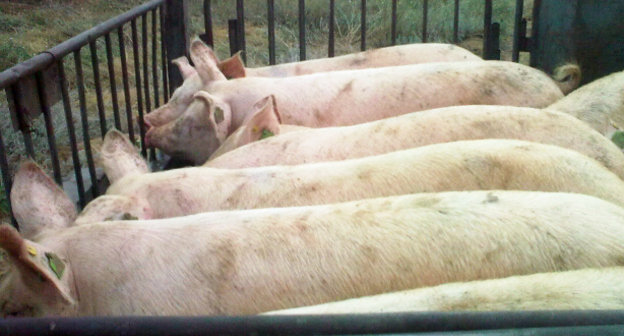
462	165
591	288
599	103
252	261
234	68
409	131
119	157
344	98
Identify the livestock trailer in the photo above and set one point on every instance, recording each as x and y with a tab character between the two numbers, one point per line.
58	112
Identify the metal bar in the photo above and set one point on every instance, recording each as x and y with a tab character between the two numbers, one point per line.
363	25
207	37
6	178
456	23
537	5
515	52
163	54
155	61
240	27
487	26
23	125
176	37
86	139
45	59
145	54
137	83
111	77
233	33
424	20
302	43
148	104
98	87
49	125
393	28
332	26
69	120
126	82
271	27
592	322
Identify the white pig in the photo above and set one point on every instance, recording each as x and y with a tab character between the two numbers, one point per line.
247	262
234	68
408	131
462	165
344	98
599	103
592	288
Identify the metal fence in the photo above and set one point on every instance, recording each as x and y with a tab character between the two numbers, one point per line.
36	85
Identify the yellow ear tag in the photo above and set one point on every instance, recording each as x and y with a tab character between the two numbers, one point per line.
31	250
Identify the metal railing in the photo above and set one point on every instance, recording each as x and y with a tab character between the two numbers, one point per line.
158	33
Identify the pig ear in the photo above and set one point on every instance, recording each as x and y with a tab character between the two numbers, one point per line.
265	121
186	70
219	116
42	270
205	62
233	67
120	158
38	203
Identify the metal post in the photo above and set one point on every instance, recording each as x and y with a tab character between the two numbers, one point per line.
176	37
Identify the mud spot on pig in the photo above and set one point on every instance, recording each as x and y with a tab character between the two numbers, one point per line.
490	198
369	254
358	60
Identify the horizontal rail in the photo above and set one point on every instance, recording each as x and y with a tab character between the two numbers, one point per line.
588	321
47	58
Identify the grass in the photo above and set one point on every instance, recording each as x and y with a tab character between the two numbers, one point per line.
29	27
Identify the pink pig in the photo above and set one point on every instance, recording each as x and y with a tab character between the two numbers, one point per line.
252	261
343	97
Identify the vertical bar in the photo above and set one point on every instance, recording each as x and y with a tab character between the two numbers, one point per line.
111	77
85	122
302	43
155	61
363	25
332	26
393	28
24	126
240	21
98	87
163	55
207	37
233	34
144	53
487	23
176	38
146	86
126	84
456	23
271	25
137	83
515	52
6	179
49	125
424	20
537	5
72	133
